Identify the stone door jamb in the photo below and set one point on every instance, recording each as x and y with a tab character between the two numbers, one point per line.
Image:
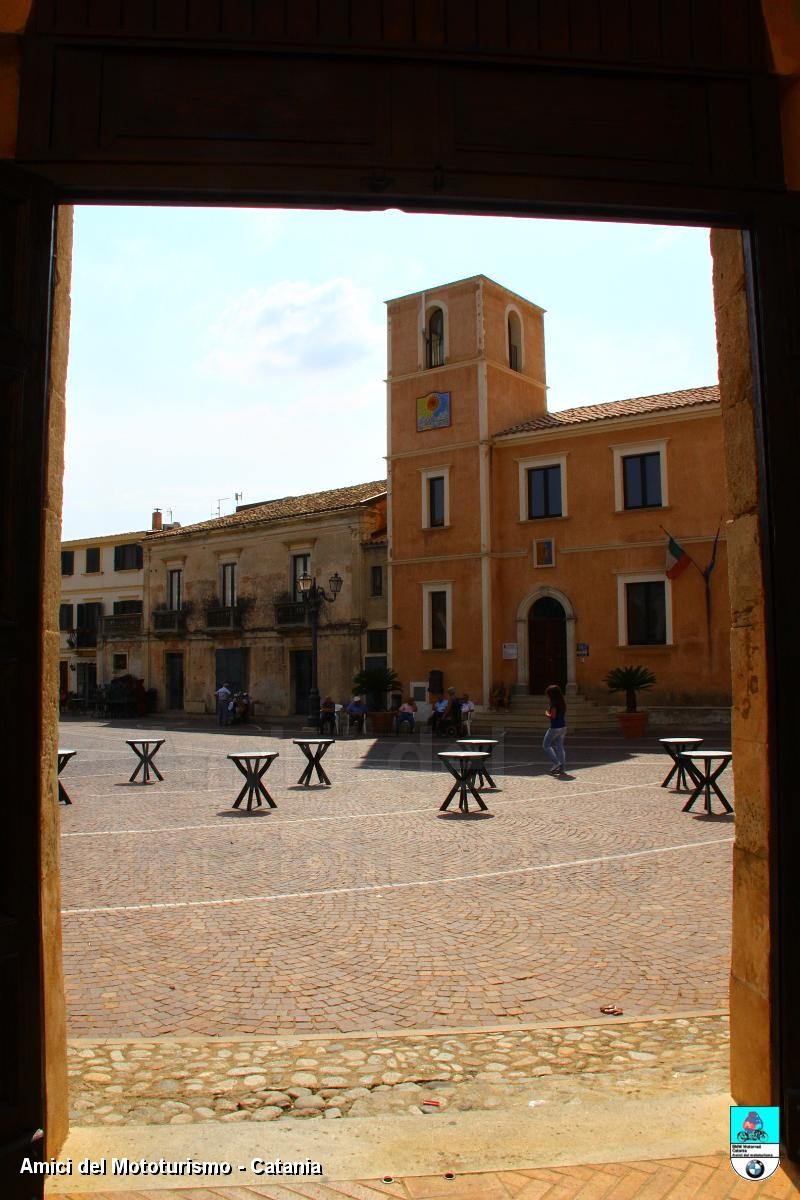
523	611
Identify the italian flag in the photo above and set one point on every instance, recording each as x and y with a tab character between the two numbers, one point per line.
677	559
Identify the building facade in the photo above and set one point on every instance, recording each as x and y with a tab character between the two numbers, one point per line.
222	602
102	591
529	547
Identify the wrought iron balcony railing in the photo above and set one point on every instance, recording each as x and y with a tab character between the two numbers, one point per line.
120	625
169	620
291	614
225	617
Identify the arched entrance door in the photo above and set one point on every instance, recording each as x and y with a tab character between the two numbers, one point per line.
547	644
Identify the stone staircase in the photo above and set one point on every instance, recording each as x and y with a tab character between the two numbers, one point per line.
526	715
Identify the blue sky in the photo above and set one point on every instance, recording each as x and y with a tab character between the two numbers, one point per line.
215	351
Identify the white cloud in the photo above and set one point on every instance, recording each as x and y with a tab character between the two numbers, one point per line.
295	326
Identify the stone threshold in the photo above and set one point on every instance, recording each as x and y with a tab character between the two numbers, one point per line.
433	1031
630	1129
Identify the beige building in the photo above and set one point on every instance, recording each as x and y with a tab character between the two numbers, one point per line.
221	601
102	588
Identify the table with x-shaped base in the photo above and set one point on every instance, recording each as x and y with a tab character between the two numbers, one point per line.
699	766
463	765
63	758
482	776
314	756
145	750
254	767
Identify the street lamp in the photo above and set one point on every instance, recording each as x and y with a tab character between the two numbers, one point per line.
313	596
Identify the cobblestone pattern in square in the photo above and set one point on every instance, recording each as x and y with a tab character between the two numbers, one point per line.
360	907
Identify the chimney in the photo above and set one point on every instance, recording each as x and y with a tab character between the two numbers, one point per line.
156	519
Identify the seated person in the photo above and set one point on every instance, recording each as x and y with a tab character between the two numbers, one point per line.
500	697
452	713
406	714
327	715
467	709
437	712
356	712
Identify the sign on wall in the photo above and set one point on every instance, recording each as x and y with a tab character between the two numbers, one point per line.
510	650
433	411
544	552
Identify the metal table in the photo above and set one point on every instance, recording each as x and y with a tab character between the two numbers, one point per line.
314	758
254	767
675	746
463	765
63	758
704	777
145	750
482	772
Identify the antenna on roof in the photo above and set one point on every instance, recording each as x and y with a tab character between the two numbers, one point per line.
221	500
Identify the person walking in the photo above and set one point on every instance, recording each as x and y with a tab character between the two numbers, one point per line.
553	744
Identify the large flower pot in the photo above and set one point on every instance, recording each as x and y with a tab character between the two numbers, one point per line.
381	723
633	724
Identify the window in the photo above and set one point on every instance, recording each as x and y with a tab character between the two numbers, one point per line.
645	611
67	562
641	480
542	487
376	641
119	662
640	476
174	589
436	501
121	607
544	492
65	618
228	589
301	565
376	581
514	340
436	498
437	616
373	662
92	559
434	338
128	557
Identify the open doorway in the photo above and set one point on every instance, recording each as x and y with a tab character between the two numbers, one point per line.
558	512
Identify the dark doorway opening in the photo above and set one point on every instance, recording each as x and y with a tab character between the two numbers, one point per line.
231	668
547	639
173	670
301	680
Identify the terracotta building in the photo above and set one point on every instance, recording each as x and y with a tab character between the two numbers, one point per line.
530	547
222	603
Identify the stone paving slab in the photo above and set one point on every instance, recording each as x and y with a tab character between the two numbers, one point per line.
361	906
181	1081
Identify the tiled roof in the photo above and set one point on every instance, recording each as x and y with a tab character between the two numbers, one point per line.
287	506
638	405
137	535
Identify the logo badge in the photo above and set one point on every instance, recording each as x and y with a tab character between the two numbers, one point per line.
755	1141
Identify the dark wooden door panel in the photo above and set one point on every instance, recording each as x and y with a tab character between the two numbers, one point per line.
26	244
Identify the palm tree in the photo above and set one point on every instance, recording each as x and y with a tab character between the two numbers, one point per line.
629	680
373	683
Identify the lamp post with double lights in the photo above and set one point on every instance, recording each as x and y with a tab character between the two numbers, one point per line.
314	596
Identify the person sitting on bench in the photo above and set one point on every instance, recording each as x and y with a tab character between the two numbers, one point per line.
327	715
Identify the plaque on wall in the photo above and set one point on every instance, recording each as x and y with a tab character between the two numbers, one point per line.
433	411
544	552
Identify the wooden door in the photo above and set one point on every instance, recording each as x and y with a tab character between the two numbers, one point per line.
547	642
27	222
301	680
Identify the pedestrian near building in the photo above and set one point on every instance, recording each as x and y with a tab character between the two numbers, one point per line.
553	744
223	695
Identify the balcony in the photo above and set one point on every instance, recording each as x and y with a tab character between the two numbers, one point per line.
290	614
168	620
122	625
82	639
224	617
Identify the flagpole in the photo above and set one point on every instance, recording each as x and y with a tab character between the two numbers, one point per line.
686	552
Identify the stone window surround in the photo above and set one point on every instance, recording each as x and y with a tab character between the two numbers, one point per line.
426	474
624	578
629	450
530	464
446	586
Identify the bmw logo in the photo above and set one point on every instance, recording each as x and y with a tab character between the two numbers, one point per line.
755	1168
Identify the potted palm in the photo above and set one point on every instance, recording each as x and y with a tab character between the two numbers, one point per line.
374	684
631	680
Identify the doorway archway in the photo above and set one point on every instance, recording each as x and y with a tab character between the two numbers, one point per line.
547	645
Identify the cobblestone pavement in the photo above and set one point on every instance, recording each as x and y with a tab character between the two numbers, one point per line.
361	907
707	1178
178	1082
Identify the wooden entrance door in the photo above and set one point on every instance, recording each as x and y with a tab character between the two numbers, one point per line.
301	680
26	244
547	645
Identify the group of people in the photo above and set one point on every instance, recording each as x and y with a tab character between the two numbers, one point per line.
450	713
231	706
